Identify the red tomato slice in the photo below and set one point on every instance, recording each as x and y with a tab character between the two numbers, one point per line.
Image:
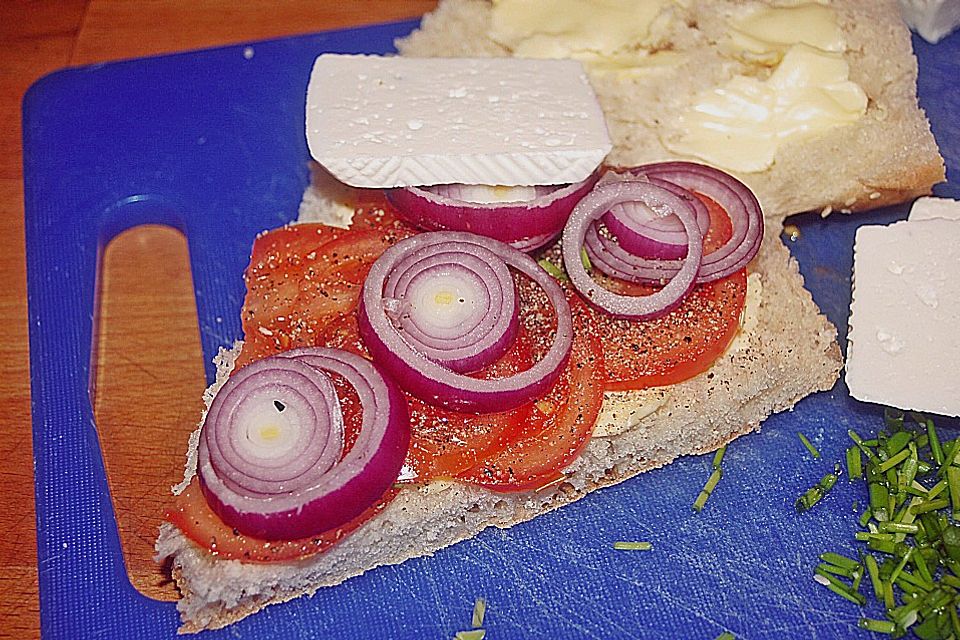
444	443
683	343
558	428
302	276
192	515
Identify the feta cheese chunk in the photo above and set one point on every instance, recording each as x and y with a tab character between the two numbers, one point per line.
927	207
932	19
384	122
903	348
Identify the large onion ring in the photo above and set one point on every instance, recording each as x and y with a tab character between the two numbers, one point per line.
314	492
596	204
523	225
437	384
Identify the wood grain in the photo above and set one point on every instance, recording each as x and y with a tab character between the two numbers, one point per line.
146	333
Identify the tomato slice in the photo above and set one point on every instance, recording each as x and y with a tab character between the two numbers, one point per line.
444	443
684	342
558	428
193	516
302	276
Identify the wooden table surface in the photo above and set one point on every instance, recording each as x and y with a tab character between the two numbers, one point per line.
149	358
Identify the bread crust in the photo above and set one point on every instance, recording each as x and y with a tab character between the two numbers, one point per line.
886	157
769	369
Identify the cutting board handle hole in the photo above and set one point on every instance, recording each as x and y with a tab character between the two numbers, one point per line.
149	379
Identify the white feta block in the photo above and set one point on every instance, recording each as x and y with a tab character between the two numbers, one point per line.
903	348
385	122
927	208
932	19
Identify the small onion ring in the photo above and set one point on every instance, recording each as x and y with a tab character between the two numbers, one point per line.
591	208
315	500
526	226
660	238
434	383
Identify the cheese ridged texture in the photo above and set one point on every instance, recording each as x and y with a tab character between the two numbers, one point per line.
382	122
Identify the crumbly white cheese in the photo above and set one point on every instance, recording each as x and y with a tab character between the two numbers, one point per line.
383	122
932	19
902	346
930	207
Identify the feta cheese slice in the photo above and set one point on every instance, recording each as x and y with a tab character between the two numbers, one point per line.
926	208
903	348
384	122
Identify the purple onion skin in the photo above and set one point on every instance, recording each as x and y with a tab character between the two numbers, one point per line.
338	506
525	226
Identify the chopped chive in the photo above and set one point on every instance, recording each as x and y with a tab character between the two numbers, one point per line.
708	488
901	564
883	546
954	622
726	635
878	501
854	464
935	449
897	527
840	560
479	609
897	442
809	445
633	546
816	493
473	634
888	600
874	572
879	626
893	418
718	456
865	517
552	269
951	581
937	489
839	588
585	259
895	460
835	570
949	455
857	577
953	483
865	536
930	505
871	456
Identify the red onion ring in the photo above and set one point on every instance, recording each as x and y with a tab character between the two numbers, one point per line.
591	208
524	225
460	342
300	487
661	237
434	383
732	195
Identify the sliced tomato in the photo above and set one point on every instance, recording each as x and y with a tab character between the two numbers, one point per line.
193	516
683	343
444	443
558	428
302	276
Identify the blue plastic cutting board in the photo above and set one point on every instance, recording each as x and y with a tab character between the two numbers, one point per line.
211	142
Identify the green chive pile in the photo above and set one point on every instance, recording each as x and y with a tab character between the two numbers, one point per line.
911	563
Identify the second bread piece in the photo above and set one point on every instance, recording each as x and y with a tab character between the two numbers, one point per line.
886	156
